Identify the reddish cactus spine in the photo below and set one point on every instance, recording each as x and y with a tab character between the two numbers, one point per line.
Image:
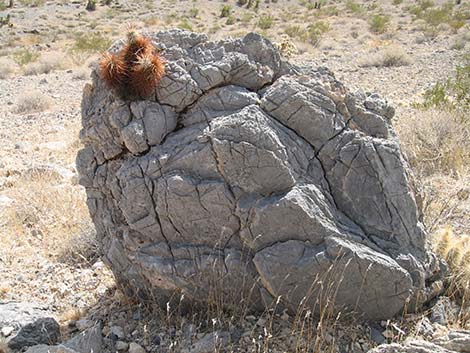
135	71
146	74
113	70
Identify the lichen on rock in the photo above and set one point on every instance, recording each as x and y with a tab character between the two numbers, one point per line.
252	179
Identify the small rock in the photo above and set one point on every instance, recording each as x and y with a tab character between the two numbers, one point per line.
211	342
135	348
90	340
7	330
42	331
83	324
442	311
425	328
376	335
122	346
117	331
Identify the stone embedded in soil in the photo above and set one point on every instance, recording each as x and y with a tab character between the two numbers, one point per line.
250	179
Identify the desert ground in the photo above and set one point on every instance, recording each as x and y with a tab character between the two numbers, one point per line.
399	49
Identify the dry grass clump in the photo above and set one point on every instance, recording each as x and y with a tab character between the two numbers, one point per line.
48	62
389	57
455	249
31	102
436	141
7	68
50	212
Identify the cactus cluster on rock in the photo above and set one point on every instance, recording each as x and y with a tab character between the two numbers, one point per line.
135	70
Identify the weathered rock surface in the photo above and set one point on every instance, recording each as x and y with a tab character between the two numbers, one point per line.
456	341
27	324
248	179
88	341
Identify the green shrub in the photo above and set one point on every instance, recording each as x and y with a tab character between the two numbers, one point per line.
379	23
433	17
294	31
25	56
315	32
225	11
354	7
265	22
94	42
230	20
91	5
452	94
193	12
184	24
32	3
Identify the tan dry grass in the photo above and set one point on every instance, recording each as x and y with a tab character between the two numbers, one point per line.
7	68
32	102
49	61
455	249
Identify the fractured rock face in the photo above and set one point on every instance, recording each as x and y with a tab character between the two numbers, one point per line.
247	179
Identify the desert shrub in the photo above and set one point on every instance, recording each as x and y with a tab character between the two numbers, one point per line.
437	18
397	2
32	3
354	7
242	2
312	34
7	68
437	143
453	94
388	57
315	32
230	20
33	101
184	24
294	31
225	11
91	5
265	22
379	23
25	56
193	12
94	42
48	62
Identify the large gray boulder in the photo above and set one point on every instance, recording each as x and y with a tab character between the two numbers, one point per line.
245	180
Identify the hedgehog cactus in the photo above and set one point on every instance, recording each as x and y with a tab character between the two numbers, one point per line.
135	70
113	70
146	73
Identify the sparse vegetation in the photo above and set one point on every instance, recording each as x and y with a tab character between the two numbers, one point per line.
7	67
225	11
265	22
455	249
91	42
434	17
379	23
391	56
32	102
312	34
454	94
25	56
32	3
